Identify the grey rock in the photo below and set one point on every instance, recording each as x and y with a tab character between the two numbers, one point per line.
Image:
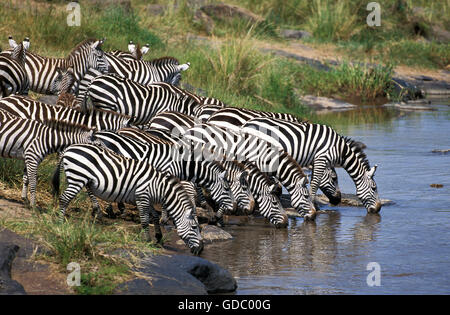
7	285
179	275
321	103
294	34
442	151
212	233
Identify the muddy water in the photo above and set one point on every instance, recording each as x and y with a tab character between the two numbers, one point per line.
409	241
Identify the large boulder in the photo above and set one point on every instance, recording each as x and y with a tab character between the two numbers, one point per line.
7	285
179	275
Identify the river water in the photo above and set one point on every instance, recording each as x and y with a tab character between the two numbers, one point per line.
343	250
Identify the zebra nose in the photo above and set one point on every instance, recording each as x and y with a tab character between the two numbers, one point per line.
283	223
376	208
198	249
251	207
335	199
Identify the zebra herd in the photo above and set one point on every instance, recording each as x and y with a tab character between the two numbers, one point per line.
127	133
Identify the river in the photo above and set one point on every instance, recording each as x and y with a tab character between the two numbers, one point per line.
403	250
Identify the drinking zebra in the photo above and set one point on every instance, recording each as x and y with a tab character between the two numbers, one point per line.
13	76
27	108
177	161
43	71
268	158
32	141
115	178
322	147
234	118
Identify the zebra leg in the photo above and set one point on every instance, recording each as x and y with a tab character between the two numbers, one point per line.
164	217
144	214
32	166
96	210
71	191
110	212
25	186
155	221
318	169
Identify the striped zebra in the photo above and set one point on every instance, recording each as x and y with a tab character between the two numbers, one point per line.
127	97
322	147
237	176
32	141
268	158
27	108
115	178
177	161
262	189
13	76
165	69
43	72
234	118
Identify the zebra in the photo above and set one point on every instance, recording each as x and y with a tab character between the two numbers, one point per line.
164	69
178	161
113	177
44	73
27	108
13	77
234	118
32	141
131	98
322	147
268	158
260	186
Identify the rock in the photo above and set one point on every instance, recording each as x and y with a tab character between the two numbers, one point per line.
406	89
179	274
436	185
212	233
294	34
440	34
222	11
7	285
445	151
408	106
205	20
321	103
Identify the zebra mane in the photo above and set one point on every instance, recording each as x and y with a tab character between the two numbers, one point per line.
66	126
358	148
164	60
81	45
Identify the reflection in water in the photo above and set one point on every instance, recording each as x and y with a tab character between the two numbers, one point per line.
409	239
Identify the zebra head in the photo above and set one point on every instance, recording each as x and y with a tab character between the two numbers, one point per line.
221	193
241	190
184	216
329	186
63	82
97	57
367	191
265	194
301	199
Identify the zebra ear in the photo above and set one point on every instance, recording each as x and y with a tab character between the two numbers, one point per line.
26	43
371	173
223	175
184	66
273	189
12	42
145	49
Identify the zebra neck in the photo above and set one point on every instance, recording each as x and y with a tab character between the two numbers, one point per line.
351	162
